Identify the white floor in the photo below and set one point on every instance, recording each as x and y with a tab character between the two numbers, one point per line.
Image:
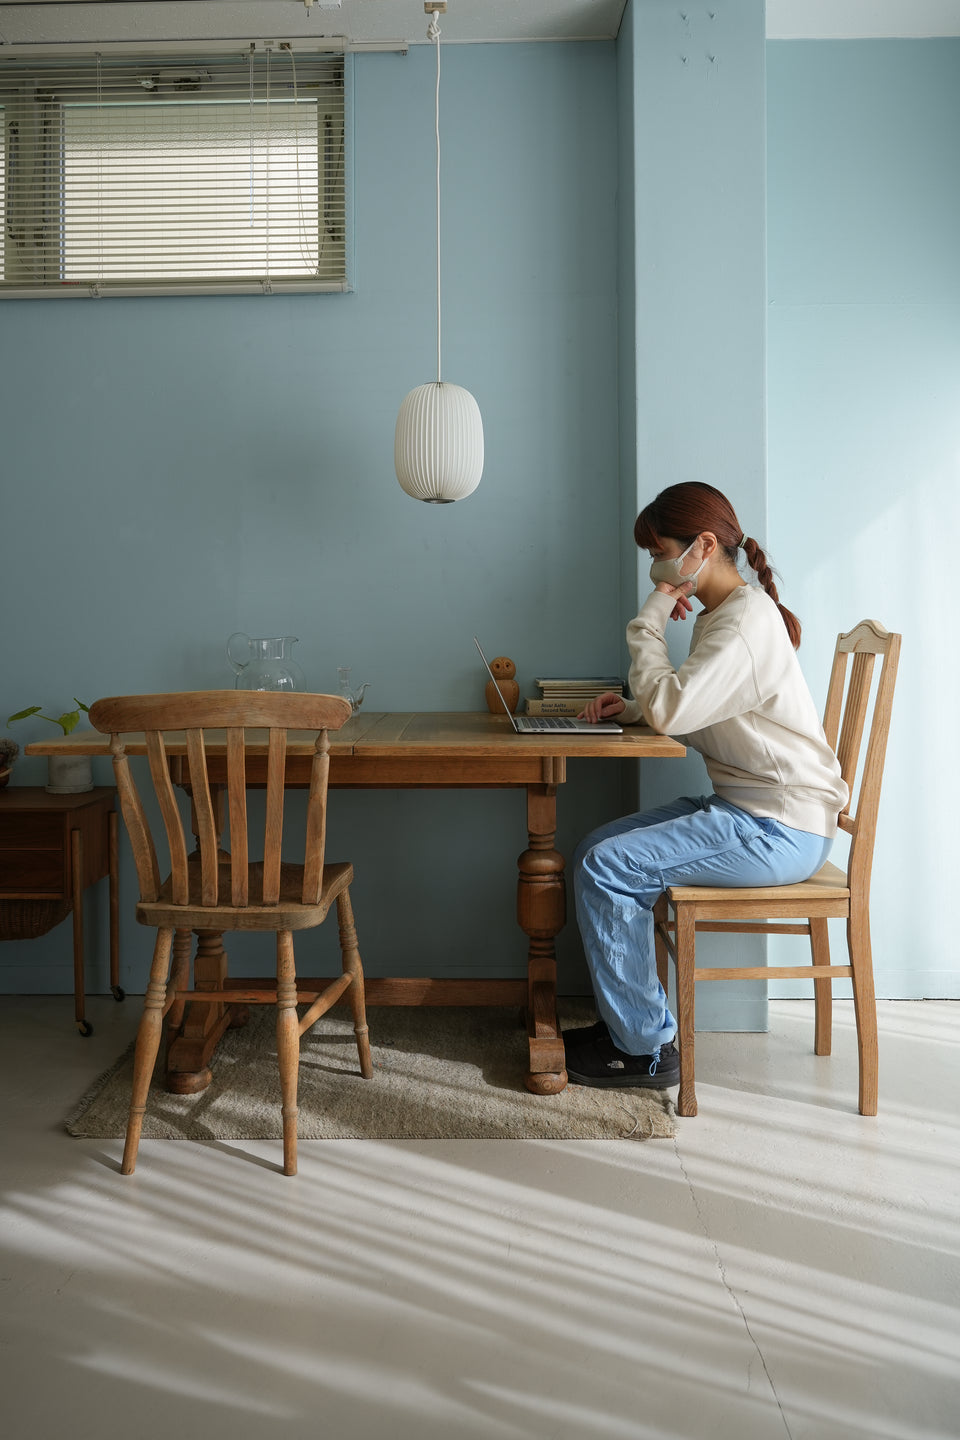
785	1268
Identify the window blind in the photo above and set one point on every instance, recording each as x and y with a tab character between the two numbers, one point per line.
158	174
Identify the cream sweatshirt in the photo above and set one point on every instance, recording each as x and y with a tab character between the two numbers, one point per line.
740	699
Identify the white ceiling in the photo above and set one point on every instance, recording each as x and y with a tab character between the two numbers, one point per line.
861	19
383	21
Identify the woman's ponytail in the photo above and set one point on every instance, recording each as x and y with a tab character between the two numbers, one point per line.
758	562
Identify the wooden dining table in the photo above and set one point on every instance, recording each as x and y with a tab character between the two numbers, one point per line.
415	750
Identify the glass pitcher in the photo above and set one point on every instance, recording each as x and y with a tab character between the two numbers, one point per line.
264	664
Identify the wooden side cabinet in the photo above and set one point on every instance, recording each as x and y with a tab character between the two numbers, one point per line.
52	847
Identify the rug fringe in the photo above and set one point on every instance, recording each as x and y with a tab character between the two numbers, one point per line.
72	1123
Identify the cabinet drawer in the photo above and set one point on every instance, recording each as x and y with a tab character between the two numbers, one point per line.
32	872
21	830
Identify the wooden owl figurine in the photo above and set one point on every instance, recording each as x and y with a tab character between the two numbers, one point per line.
504	670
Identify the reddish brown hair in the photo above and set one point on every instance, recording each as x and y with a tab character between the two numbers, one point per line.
682	512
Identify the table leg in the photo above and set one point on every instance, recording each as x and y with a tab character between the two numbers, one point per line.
112	852
193	1043
76	886
541	911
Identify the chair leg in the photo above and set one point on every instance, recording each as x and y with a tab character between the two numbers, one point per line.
288	1046
685	939
660	917
822	989
148	1045
353	966
864	1004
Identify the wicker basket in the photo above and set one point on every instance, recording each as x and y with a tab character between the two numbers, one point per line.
26	919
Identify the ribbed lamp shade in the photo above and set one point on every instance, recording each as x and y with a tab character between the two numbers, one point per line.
438	449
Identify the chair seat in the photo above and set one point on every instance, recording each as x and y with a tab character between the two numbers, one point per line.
829	883
288	914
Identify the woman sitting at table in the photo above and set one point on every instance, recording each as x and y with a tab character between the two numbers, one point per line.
740	699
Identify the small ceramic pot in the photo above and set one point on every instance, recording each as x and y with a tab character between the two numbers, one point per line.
69	774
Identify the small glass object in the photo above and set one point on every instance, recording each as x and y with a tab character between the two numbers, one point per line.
354	696
264	664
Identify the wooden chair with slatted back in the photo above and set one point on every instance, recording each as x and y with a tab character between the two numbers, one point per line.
805	908
213	891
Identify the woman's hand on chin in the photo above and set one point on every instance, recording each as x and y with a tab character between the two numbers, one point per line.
681	593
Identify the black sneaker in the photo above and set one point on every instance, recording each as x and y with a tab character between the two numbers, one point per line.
572	1039
599	1062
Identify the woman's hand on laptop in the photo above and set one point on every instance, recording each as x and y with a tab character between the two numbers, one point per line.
603	707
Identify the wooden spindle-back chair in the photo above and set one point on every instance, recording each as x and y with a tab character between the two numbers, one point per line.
212	891
805	908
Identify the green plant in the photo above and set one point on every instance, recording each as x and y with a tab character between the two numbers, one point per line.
68	721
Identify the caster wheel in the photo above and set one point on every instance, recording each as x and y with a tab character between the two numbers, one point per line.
118	992
85	1028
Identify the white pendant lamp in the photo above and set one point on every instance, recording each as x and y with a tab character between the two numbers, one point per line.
438	448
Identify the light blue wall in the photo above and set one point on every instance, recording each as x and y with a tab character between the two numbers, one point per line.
177	469
627	309
864	430
692	317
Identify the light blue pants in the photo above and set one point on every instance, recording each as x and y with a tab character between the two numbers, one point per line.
619	872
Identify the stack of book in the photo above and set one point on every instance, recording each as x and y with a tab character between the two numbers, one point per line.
568	696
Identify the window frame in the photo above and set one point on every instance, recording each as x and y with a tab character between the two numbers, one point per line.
55	285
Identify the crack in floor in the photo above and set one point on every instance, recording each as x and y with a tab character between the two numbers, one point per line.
727	1286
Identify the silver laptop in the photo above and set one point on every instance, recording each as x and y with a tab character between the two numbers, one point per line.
545	724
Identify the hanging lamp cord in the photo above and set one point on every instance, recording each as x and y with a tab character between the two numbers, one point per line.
433	33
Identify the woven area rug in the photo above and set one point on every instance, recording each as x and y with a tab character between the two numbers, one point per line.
439	1073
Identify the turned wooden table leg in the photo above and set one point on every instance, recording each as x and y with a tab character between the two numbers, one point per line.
114	893
541	911
190	1049
76	886
180	980
193	1043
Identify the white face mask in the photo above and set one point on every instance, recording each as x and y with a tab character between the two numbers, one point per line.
668	571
